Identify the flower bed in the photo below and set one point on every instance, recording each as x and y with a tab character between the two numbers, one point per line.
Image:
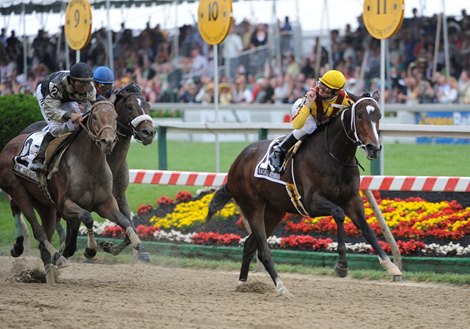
421	228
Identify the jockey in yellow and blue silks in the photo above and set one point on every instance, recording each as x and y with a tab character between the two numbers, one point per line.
324	100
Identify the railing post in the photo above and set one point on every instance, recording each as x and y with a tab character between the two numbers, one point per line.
162	149
262	134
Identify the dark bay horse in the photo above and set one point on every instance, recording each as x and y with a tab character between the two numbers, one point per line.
133	121
81	184
326	174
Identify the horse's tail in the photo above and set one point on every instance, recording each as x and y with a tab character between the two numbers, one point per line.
221	197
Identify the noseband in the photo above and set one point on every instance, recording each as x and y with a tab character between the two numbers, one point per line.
92	135
357	141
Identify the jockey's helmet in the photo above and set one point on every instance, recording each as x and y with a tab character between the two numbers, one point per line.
333	79
103	75
81	72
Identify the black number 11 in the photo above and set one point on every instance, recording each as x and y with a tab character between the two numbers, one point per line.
384	6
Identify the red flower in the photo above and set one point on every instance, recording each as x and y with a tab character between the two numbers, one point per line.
183	196
144	209
165	201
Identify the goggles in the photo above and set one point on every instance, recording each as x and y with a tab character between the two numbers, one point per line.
325	91
104	89
79	86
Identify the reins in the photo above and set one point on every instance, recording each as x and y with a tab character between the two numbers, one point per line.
94	136
356	140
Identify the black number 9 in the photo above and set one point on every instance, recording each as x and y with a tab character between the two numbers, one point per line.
77	17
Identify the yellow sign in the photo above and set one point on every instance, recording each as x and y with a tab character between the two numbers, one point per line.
78	24
383	18
214	20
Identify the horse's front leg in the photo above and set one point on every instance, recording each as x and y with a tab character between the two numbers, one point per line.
74	214
355	210
324	206
111	211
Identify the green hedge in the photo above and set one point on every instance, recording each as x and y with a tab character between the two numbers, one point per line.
16	113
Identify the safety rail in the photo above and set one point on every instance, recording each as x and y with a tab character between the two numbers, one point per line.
262	129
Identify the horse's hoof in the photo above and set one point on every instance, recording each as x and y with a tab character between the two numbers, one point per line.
106	246
397	278
143	256
89	253
341	270
60	261
16	251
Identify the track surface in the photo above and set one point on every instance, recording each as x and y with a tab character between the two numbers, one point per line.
149	296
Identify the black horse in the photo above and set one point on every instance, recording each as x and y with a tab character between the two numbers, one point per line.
323	177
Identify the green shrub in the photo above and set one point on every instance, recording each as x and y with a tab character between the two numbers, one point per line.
16	113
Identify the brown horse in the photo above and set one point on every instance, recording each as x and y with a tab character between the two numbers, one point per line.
133	121
326	174
82	184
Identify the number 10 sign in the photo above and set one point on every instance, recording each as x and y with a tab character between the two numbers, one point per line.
214	20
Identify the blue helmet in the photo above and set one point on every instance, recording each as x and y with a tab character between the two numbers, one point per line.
103	75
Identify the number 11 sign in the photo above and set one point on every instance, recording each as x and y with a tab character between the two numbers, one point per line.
383	18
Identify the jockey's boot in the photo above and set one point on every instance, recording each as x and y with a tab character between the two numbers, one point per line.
277	157
38	163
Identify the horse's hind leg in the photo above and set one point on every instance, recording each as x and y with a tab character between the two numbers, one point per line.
21	231
355	210
249	250
256	218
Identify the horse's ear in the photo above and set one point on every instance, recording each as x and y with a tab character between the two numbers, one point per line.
376	95
112	98
353	97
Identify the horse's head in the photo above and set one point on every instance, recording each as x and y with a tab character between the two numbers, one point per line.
133	114
365	117
101	125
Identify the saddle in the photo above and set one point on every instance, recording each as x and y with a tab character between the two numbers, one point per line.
29	151
264	170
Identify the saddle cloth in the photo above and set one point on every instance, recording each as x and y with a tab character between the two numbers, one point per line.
30	149
28	152
264	170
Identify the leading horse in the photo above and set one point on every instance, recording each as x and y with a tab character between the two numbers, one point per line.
326	175
81	184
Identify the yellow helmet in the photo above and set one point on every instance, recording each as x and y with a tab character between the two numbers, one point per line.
333	79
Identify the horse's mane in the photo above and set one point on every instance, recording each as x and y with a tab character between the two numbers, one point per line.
131	88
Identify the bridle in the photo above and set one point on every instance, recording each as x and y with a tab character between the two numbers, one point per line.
356	140
353	129
95	135
134	123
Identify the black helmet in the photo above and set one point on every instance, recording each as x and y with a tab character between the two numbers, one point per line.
81	72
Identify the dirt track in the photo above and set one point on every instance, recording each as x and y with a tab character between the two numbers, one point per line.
149	296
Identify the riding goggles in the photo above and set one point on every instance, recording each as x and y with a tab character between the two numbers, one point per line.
325	91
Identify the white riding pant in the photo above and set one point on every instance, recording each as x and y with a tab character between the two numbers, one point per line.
57	128
309	126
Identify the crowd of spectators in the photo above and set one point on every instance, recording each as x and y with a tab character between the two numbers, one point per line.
417	70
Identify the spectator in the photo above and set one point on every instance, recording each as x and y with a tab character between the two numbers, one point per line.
232	47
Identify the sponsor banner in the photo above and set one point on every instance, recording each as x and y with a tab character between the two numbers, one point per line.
443	118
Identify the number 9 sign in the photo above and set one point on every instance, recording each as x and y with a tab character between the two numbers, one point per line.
78	24
214	20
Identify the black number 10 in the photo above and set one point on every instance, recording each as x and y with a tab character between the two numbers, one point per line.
384	6
213	11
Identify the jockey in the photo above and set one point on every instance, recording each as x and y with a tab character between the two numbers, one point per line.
103	77
63	96
324	100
